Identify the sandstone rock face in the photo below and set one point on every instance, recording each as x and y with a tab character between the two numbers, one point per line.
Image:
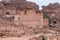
53	10
13	0
19	17
21	4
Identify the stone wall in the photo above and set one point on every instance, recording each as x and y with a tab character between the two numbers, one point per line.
30	18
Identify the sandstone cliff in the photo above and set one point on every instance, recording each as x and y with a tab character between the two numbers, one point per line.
53	9
19	4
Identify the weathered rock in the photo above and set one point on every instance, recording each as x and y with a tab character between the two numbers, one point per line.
19	4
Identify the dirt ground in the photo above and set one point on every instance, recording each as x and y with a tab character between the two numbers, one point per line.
26	37
14	38
17	38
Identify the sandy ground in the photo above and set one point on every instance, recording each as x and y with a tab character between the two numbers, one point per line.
16	38
26	37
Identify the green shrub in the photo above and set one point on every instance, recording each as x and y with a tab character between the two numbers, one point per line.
43	37
47	16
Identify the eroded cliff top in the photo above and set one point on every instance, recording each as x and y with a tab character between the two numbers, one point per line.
18	4
52	7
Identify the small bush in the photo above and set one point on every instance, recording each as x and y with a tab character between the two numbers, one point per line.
43	37
47	16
